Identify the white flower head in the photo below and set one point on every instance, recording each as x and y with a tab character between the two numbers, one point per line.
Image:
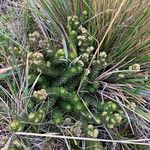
81	37
90	38
48	64
103	54
40	94
81	62
91	48
36	34
87	72
38	55
84	12
73	32
31	116
76	23
133	105
79	43
69	18
121	75
85	55
75	17
105	64
135	67
90	126
83	30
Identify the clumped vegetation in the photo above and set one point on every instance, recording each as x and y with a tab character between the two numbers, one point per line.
75	74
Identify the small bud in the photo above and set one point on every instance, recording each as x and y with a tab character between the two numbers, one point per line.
79	43
90	38
90	127
105	64
31	116
84	12
76	23
16	143
121	75
73	32
104	113
48	64
91	48
87	72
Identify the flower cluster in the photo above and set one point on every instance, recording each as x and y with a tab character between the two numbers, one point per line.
75	128
36	117
132	106
16	126
37	62
92	132
98	65
40	94
79	36
111	115
85	40
60	54
102	58
15	145
35	58
121	75
36	41
14	50
134	67
34	37
73	22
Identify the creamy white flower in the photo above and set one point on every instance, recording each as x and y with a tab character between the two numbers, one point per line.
135	67
121	75
17	143
79	43
37	55
105	64
81	62
90	38
40	94
87	72
48	64
91	48
90	126
31	116
83	30
103	54
69	18
81	37
36	34
104	113
84	12
39	70
36	120
76	23
75	17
